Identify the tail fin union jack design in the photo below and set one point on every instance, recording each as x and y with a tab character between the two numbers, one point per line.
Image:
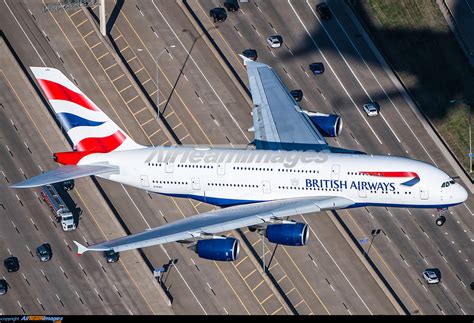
90	129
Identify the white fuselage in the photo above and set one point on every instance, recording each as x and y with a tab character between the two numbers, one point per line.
231	176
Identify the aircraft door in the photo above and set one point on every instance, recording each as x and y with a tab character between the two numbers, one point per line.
195	183
267	189
220	168
363	193
335	172
144	180
424	192
169	167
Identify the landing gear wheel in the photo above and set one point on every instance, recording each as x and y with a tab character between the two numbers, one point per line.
440	221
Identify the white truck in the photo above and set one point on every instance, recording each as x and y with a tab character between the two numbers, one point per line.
61	212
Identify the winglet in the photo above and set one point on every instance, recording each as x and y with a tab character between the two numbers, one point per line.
246	59
80	248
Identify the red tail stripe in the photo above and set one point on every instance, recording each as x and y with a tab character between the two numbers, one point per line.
392	174
101	145
71	157
56	91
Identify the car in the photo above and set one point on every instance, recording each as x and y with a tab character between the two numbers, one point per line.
68	185
431	276
3	287
12	264
231	5
472	285
44	252
371	108
323	11
250	53
275	41
111	256
219	14
297	95
317	68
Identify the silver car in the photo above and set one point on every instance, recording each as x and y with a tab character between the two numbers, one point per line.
430	276
372	109
274	41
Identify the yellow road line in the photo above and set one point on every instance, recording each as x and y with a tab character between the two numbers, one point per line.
103	55
90	32
83	22
248	275
258	285
114	64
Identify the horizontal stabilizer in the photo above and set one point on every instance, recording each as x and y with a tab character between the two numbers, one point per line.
80	248
65	173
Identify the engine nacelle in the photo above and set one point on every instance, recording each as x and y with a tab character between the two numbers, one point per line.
330	125
227	249
288	234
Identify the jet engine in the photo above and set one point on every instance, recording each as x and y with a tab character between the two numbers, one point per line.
289	234
225	249
330	125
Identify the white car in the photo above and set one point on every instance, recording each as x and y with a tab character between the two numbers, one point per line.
372	109
430	276
274	41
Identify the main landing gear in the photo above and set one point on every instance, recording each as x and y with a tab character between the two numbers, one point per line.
441	218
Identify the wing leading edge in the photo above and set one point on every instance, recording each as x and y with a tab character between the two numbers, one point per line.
219	221
65	173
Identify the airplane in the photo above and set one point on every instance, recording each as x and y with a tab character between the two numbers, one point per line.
291	171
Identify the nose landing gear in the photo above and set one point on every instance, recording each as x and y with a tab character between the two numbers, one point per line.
441	218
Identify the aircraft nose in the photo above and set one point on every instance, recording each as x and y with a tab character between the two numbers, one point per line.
461	193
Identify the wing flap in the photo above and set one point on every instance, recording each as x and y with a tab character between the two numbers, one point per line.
66	173
221	220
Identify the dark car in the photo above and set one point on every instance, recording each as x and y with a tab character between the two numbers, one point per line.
68	185
297	95
219	14
231	5
111	256
323	11
250	53
3	287
12	264
317	68
44	252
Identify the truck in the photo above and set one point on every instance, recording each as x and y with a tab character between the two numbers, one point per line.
58	207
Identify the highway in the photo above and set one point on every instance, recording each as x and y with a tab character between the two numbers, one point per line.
65	284
217	105
411	241
201	104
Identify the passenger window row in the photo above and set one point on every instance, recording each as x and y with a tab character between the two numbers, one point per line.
169	182
232	185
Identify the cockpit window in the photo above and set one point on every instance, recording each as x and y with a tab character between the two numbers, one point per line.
448	183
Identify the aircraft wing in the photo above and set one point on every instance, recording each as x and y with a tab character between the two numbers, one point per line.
219	221
278	121
65	173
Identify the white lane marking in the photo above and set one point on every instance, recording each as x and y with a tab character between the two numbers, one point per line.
200	71
340	83
5	1
350	68
333	260
381	87
166	252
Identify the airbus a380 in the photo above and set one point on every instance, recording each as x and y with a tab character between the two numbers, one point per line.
291	171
